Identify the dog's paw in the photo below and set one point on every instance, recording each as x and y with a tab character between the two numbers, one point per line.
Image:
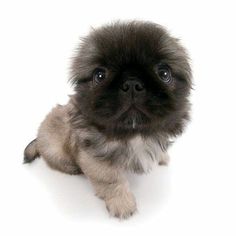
122	206
165	159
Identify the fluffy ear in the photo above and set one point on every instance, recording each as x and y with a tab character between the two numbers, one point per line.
83	61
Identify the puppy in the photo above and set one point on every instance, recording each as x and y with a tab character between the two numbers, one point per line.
132	81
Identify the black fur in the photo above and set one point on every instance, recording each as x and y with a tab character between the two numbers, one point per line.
131	49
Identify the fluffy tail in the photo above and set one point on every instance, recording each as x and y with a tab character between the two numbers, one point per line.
31	152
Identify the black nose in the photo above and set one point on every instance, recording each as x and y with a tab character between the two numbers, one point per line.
132	85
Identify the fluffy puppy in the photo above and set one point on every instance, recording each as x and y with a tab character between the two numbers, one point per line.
132	81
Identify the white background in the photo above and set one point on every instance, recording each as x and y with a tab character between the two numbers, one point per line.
195	195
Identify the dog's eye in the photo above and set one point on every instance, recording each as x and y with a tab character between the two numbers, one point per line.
164	73
99	75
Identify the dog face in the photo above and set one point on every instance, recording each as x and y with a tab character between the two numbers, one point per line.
132	78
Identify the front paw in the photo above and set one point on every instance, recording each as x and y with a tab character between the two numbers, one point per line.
122	206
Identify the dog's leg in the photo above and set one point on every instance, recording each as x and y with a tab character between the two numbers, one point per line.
53	143
110	185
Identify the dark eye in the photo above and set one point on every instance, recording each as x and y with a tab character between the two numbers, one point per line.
99	75
164	73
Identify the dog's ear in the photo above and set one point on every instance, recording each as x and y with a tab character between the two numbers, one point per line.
83	61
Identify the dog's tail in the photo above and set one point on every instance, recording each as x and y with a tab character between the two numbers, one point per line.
31	152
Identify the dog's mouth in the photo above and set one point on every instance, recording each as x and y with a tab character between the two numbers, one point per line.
133	118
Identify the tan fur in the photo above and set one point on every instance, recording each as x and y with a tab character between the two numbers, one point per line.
53	141
110	185
56	144
61	146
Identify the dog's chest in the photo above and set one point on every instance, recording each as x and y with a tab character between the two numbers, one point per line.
143	152
137	154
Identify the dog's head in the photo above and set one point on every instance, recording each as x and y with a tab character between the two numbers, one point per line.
132	78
